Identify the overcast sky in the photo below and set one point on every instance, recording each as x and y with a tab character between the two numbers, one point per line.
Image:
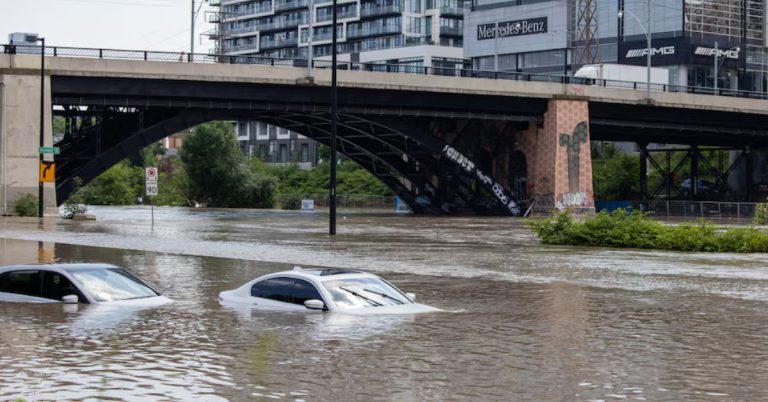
116	24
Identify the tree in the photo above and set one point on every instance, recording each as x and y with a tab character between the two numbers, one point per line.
119	185
615	175
218	170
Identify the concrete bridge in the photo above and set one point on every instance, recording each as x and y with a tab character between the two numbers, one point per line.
443	143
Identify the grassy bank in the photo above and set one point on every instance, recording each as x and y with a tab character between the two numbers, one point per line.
636	230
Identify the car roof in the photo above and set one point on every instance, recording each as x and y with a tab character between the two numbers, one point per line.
324	274
57	267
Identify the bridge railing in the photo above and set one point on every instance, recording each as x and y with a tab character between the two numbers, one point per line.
164	56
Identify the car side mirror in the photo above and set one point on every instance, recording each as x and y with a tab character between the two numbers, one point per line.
70	299
411	296
314	304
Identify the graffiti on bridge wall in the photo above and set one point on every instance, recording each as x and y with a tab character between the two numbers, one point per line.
573	145
470	167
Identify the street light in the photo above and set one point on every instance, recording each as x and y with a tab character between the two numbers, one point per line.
717	58
647	37
334	106
496	45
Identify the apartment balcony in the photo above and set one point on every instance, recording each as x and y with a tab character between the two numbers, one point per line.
354	32
290	5
238	48
264	7
451	31
452	11
214	3
380	11
279	25
277	43
351	13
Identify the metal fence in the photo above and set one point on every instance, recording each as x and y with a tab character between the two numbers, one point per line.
150	55
702	209
354	201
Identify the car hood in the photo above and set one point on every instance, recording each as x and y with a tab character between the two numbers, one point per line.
144	302
413	308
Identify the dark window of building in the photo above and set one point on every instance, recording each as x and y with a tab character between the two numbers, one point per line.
305	152
283	153
21	282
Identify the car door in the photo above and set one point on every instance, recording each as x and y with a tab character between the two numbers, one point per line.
275	292
22	286
56	285
284	293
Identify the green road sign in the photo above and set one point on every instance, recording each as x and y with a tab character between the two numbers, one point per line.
50	150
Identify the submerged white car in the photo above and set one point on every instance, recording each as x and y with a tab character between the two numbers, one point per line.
75	283
323	289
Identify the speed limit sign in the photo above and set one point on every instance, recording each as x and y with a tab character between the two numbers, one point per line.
151	189
151	173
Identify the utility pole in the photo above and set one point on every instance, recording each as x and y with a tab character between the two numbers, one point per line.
334	116
40	200
650	49
715	70
311	4
192	32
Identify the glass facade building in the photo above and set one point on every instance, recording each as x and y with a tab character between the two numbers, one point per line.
687	37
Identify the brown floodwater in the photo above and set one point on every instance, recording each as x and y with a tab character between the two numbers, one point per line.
522	321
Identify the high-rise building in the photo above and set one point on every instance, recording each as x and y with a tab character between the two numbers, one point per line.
423	33
688	37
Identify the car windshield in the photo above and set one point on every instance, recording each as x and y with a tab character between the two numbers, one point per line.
364	292
112	284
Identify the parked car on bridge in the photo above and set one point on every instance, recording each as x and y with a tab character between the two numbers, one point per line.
75	283
325	289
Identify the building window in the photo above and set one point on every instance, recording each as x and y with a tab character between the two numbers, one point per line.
305	152
283	153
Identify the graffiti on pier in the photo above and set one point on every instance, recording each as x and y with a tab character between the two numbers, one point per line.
569	200
573	144
470	167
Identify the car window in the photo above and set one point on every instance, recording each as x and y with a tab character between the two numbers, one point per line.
112	284
278	289
56	286
286	290
21	282
303	291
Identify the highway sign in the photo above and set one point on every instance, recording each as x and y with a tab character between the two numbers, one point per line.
50	150
47	172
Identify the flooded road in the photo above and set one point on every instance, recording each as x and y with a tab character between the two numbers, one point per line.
522	321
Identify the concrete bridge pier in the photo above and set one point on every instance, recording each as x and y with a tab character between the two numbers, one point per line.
20	138
559	159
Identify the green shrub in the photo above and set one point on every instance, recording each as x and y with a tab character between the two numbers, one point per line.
636	230
290	201
26	205
761	214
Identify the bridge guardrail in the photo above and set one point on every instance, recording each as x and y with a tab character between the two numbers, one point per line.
165	56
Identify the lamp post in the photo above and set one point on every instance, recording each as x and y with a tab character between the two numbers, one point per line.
42	126
717	63
648	39
334	106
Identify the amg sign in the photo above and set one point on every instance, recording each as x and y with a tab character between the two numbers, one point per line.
664	51
725	53
507	29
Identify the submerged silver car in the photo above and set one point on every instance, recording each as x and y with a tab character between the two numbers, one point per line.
75	283
325	289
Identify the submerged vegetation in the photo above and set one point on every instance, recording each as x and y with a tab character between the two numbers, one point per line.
636	230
